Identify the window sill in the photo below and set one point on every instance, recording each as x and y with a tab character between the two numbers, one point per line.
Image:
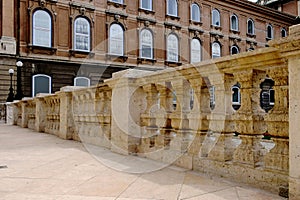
268	39
195	22
251	35
117	5
173	17
147	11
116	57
172	63
235	31
145	60
77	53
41	49
216	27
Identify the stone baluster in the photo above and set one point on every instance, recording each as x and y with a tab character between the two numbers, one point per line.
220	122
149	119
40	114
277	121
249	119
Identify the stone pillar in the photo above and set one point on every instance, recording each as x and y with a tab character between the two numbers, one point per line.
66	115
11	113
294	135
127	106
249	119
40	114
219	120
24	119
277	121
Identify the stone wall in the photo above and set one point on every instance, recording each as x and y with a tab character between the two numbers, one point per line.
215	117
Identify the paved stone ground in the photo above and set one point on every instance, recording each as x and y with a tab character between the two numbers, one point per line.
38	166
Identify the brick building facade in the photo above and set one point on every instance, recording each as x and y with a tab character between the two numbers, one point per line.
66	42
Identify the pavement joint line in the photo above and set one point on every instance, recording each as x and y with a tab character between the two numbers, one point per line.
138	177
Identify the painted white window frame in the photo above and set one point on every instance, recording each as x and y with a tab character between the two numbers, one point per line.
270	28
117	1
232	22
272	103
172	48
33	82
234	47
117	39
252	25
81	77
149	6
215	17
46	31
195	51
85	35
213	54
285	32
146	42
196	17
172	8
238	93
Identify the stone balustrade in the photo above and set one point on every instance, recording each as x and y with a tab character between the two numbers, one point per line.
210	117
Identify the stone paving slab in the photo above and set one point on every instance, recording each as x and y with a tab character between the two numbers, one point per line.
39	166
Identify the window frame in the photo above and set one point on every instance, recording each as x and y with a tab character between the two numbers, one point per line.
151	45
213	18
236	22
117	1
199	13
177	50
212	50
176	8
285	32
81	34
82	77
49	31
271	29
237	48
191	50
121	40
150	4
253	26
41	75
238	93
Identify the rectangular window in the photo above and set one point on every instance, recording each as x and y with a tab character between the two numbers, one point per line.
146	4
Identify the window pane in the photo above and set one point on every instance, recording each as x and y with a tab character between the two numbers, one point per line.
116	40
234	50
195	51
216	50
250	27
41	84
146	44
41	29
234	22
195	13
82	35
146	4
82	81
269	32
215	18
172	48
172	7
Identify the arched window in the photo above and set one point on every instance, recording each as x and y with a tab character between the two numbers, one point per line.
267	94
146	44
283	32
216	17
195	13
195	51
216	50
234	23
81	34
41	83
146	4
116	40
236	96
172	48
269	31
250	27
82	81
41	29
234	50
172	7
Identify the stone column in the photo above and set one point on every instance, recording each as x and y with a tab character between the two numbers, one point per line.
249	119
294	136
277	121
66	116
40	114
219	120
24	108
